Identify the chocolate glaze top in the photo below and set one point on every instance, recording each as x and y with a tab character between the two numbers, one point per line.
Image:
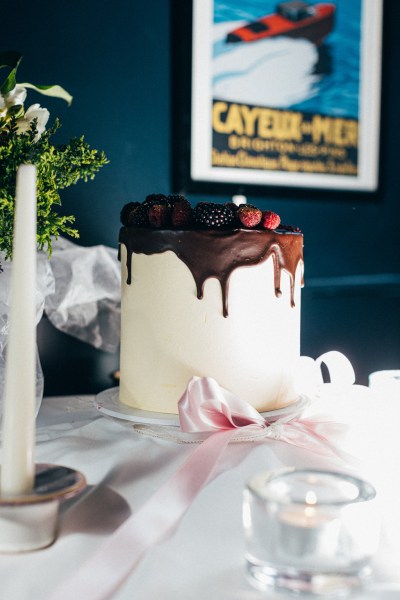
216	253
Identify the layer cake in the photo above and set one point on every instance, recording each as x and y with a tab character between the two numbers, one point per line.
208	297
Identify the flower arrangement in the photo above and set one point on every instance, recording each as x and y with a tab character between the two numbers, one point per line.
25	139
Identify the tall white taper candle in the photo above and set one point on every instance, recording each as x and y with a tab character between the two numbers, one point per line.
18	467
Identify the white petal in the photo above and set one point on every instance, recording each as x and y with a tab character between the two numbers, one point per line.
23	125
16	96
34	112
56	91
41	114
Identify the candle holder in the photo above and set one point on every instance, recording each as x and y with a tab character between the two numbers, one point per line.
309	531
29	521
385	384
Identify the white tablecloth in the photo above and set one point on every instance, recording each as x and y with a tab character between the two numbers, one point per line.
204	559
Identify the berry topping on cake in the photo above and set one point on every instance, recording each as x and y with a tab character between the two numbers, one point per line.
290	228
234	207
270	220
158	215
182	214
249	216
174	211
138	216
155	199
173	199
215	216
125	212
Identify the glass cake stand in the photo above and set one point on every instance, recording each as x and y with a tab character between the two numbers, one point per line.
109	405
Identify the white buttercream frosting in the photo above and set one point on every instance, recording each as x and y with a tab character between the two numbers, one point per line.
168	334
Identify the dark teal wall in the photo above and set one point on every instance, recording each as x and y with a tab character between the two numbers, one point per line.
115	58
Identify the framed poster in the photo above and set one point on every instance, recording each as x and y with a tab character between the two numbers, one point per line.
285	94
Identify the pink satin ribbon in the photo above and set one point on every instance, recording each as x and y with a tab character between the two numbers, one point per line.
204	407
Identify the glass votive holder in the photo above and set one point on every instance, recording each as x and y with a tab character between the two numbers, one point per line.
385	384
309	531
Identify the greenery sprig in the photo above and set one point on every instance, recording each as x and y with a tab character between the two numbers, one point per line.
24	139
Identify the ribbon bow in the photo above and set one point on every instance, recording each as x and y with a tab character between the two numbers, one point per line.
207	407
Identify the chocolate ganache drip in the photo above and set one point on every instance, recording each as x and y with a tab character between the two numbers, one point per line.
216	253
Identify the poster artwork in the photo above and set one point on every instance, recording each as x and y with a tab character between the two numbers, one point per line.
279	102
290	92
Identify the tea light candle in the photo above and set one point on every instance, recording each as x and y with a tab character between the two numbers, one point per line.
385	384
308	528
18	468
302	530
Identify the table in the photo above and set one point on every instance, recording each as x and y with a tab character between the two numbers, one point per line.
204	558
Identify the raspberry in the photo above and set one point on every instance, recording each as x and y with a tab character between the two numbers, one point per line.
158	215
270	220
249	215
126	210
182	214
209	214
138	216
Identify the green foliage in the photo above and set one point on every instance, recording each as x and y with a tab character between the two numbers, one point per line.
9	60
58	167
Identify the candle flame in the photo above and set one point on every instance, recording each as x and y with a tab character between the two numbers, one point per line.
311	497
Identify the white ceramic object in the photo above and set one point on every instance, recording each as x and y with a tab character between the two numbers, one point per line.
29	522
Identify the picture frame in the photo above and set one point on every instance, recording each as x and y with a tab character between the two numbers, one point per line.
317	126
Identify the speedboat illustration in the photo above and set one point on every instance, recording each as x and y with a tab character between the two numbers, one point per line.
292	19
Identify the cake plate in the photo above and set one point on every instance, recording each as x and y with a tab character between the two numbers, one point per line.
109	405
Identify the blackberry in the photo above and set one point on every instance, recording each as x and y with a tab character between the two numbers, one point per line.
158	215
173	199
154	199
126	210
234	207
211	215
291	228
181	214
138	216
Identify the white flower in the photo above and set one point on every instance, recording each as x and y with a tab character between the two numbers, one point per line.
34	112
3	108
16	96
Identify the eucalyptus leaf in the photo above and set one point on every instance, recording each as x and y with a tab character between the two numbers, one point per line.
55	91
